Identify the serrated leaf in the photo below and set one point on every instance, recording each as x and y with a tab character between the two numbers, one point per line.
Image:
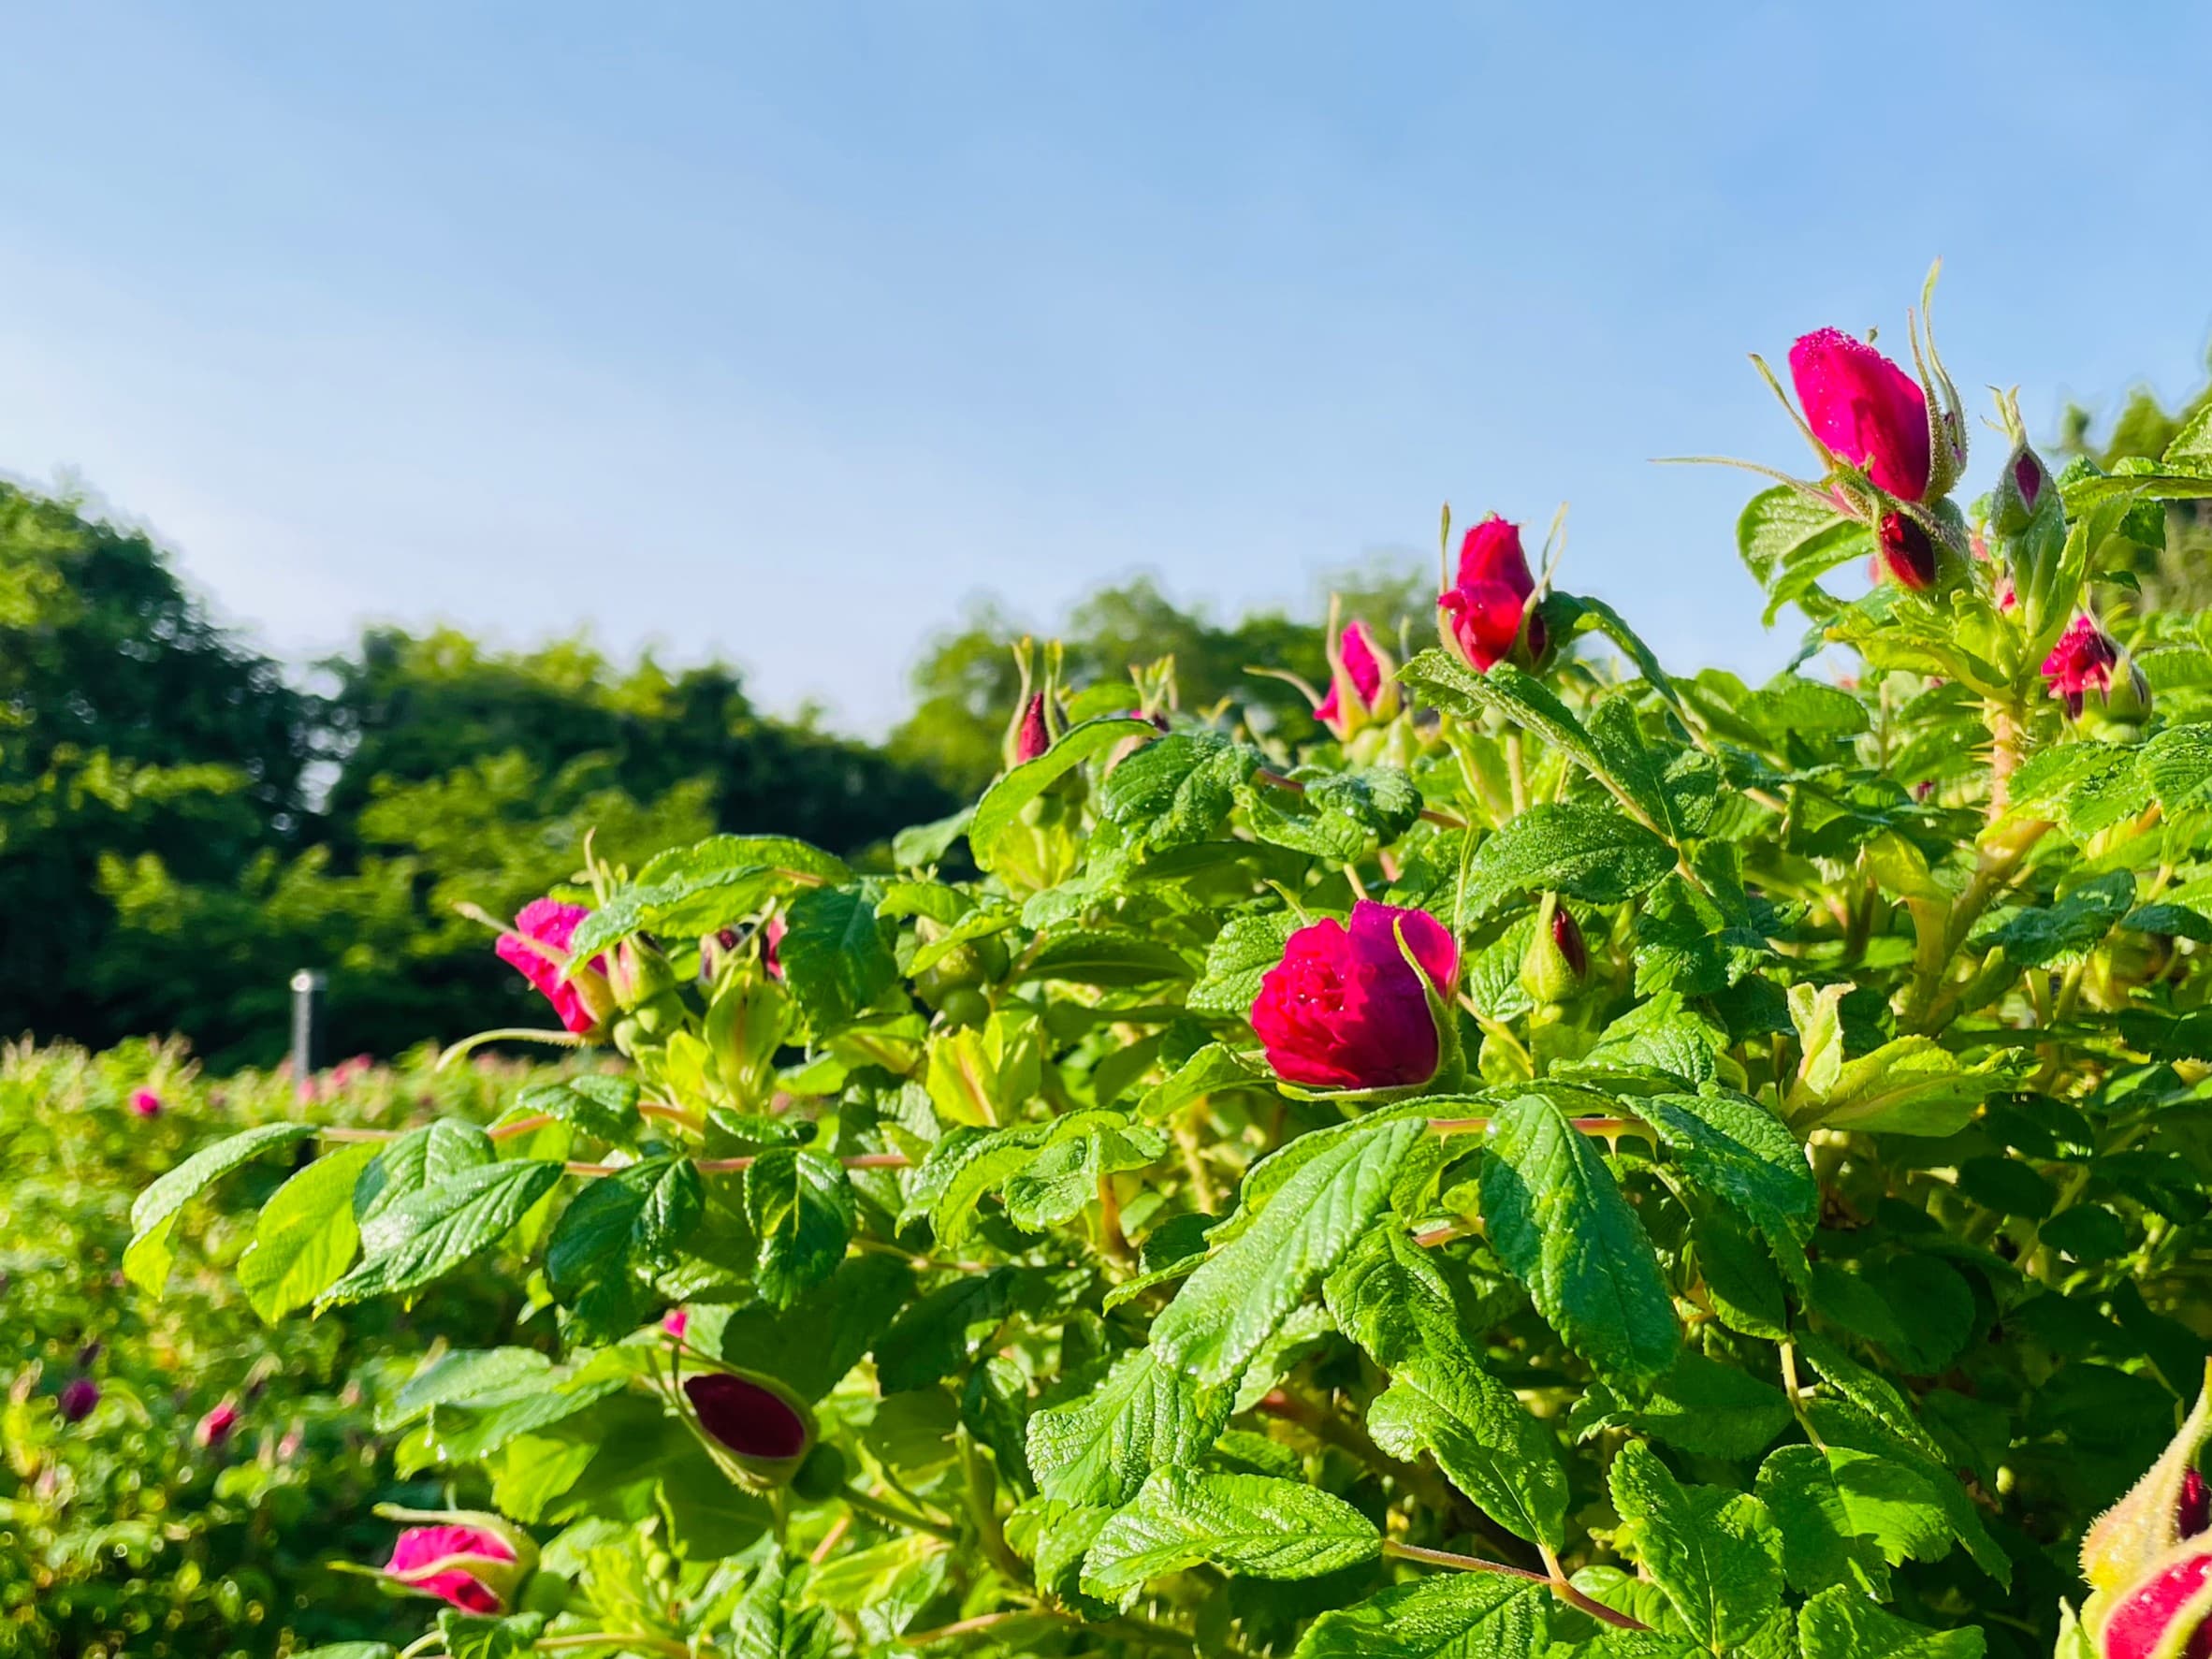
1558	1221
1177	790
153	1214
431	1231
1741	1154
602	1107
1442	681
1247	1525
1676	787
616	1233
1839	1624
1242	952
2066	931
1144	1415
1715	1552
1701	1406
833	955
1396	1304
1002	803
1228	1309
306	1235
1824	1543
1593	853
800	1204
1788	542
1452	1616
1103	956
689	891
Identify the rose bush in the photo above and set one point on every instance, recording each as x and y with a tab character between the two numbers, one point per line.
1558	1158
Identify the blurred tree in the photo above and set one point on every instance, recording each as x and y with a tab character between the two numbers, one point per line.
965	685
132	726
2179	577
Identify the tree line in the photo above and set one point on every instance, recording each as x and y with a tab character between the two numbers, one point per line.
184	824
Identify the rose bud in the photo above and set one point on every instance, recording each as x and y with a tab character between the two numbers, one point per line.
676	1322
1033	735
1363	1007
1908	553
145	1102
1557	960
1864	409
2082	662
475	1562
1483	613
78	1397
538	951
2164	1616
2167	1507
2023	489
1362	691
214	1428
758	1431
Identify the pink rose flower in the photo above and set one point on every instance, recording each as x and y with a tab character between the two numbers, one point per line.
473	1567
1482	612
1865	408
551	923
1345	1009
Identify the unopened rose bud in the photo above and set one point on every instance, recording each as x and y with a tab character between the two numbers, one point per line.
2024	489
1033	737
759	1430
537	949
1557	960
145	1102
1908	552
78	1397
1362	687
1485	616
473	1561
215	1428
676	1322
1866	409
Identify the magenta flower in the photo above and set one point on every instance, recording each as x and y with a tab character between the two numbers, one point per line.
475	1568
538	951
1482	612
676	1323
2164	1617
1345	1009
2082	662
78	1397
1865	408
215	1427
1360	688
145	1102
1034	736
750	1417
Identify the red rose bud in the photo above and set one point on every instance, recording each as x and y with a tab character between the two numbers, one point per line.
676	1322
1482	613
1557	960
78	1397
1033	737
2082	662
759	1430
145	1102
476	1563
538	951
1345	1009
214	1428
1361	688
1908	552
2161	1512
1864	409
2023	488
2163	1617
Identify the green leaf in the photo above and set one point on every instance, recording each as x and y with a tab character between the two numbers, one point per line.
926	843
1146	1415
1558	1221
1877	1396
2066	931
431	1231
306	1235
604	1108
1789	542
1085	1149
351	1650
1227	1310
1442	681
1247	946
689	891
1103	956
1177	791
1213	1069
768	1625
1450	1616
1593	853
1243	1523
1910	1087
1824	1541
1744	1155
2177	765
153	1215
833	955
1676	787
616	1233
1002	803
471	1635
1388	1297
1702	1406
1715	1552
929	1341
966	1168
818	1339
1840	1624
801	1207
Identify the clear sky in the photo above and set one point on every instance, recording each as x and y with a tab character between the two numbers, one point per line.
778	330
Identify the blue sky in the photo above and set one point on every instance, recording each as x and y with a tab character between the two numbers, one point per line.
779	330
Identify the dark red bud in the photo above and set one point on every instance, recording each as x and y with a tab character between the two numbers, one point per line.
2193	1513
78	1397
1035	737
745	1416
1908	552
1567	935
2027	475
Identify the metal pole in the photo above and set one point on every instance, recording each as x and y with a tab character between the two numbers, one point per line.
307	987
